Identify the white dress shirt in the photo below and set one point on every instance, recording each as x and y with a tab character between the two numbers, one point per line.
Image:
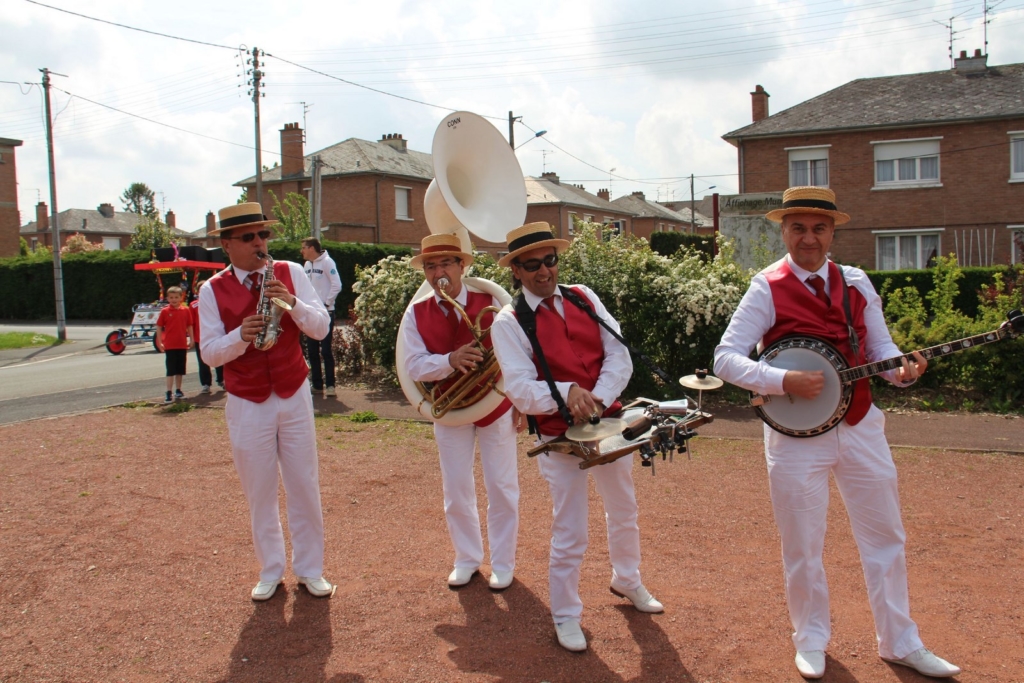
220	346
755	316
515	355
424	366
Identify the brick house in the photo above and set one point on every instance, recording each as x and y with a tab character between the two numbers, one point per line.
651	217
10	219
547	199
372	192
925	164
102	225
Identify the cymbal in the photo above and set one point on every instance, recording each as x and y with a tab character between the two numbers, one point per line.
705	383
609	426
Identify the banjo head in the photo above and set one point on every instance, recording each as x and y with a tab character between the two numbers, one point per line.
796	416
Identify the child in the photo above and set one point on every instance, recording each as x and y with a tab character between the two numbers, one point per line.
204	369
174	338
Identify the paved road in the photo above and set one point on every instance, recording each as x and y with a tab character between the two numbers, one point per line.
78	375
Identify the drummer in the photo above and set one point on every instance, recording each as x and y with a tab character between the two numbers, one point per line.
587	369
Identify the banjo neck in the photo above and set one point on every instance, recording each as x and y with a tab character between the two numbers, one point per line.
878	367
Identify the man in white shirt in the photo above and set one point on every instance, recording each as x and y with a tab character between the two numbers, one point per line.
438	342
590	368
323	274
269	409
803	294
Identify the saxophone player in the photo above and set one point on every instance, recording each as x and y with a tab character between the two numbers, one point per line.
269	408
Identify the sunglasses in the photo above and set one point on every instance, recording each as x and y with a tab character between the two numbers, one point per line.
534	264
250	236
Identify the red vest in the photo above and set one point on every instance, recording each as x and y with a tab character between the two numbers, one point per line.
255	374
799	311
440	338
194	307
574	352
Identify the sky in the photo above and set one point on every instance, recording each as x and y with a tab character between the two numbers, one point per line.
634	96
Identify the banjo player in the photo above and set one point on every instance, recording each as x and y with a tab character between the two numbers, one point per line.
803	294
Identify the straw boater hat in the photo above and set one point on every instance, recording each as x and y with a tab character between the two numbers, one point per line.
434	246
240	216
528	237
808	200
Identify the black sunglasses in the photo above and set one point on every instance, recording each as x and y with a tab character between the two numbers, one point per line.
250	236
534	264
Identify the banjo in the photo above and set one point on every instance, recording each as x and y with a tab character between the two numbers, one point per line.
795	416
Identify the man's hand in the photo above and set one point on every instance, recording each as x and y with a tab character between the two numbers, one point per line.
911	371
518	420
276	289
582	404
465	358
251	326
805	384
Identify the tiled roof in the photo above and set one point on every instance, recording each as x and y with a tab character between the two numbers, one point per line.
359	156
645	208
932	97
10	142
546	191
92	221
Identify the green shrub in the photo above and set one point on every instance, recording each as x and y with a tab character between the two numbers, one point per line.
668	243
973	281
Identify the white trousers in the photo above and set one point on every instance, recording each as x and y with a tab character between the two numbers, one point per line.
501	480
278	435
568	484
865	475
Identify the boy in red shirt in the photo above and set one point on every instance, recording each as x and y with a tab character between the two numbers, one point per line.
174	338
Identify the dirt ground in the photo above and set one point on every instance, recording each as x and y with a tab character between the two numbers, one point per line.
126	556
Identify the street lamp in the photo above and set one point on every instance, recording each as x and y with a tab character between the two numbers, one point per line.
693	214
535	135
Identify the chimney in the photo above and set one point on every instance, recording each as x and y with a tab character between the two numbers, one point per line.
394	141
211	223
759	103
292	161
550	175
42	217
640	195
170	220
85	224
978	64
106	210
603	194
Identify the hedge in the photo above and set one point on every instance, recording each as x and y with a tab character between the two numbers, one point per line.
974	280
103	285
668	243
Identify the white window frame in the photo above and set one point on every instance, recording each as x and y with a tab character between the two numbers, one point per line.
1016	155
1016	255
408	203
572	223
115	241
810	154
896	234
911	149
588	218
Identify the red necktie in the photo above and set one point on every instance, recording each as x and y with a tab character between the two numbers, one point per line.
453	318
550	303
256	279
819	288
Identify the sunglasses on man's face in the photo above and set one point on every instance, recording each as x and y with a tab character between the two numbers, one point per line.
250	236
534	264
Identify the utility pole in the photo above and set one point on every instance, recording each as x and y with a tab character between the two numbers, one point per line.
693	219
257	82
314	205
511	133
58	270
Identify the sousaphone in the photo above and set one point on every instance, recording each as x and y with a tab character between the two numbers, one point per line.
478	188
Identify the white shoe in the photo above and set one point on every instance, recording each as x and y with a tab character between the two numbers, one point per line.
318	587
570	636
499	581
924	662
811	663
330	392
460	576
205	389
264	590
640	598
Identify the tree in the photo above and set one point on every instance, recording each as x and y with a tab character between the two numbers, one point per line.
77	244
138	198
293	217
150	233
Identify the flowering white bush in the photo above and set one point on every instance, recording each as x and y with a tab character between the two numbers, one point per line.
674	309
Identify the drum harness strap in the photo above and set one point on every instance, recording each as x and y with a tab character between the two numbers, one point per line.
528	321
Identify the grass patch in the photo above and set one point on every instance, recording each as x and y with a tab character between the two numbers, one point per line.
25	340
363	416
179	407
135	404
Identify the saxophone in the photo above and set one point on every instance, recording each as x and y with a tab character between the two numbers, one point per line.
271	308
